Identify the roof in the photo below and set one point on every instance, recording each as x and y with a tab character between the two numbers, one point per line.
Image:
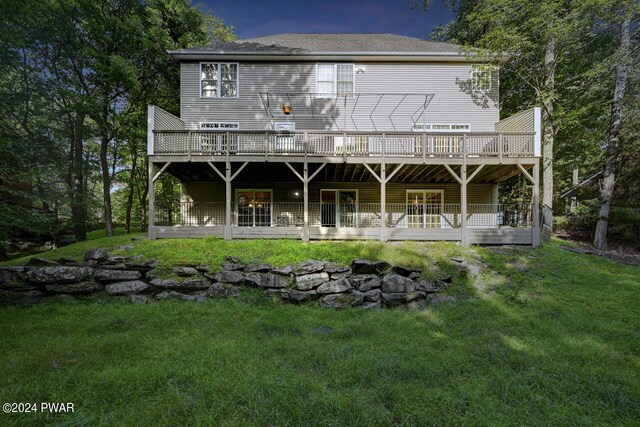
312	46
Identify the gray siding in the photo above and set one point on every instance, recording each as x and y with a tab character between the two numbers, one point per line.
163	120
367	192
453	101
523	121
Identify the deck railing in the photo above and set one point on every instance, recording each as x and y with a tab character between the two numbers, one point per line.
356	215
347	144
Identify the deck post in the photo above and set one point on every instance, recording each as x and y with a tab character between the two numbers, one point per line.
535	233
152	202
464	236
305	183
383	202
227	204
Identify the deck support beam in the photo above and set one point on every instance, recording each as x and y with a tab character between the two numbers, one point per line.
227	177
152	201
535	233
305	178
383	179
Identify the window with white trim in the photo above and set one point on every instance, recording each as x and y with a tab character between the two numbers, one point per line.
218	80
219	125
481	76
441	127
334	79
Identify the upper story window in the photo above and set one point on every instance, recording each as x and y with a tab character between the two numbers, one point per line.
441	127
219	125
218	80
335	79
481	76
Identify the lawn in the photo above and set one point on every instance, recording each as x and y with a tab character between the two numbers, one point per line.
543	337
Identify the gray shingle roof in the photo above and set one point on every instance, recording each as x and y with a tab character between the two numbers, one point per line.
328	43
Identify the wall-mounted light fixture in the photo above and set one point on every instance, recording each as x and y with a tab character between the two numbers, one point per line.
286	109
360	70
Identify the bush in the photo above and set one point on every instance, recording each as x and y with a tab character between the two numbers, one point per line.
624	226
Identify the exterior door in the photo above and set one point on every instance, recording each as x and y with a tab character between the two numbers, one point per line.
424	208
339	208
254	208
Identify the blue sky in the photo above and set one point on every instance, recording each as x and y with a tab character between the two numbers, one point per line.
255	18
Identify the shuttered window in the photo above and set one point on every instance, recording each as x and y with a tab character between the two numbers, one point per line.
335	79
218	80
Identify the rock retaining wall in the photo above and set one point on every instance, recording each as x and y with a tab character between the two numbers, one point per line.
364	283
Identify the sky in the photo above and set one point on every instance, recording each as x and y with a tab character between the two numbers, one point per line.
255	18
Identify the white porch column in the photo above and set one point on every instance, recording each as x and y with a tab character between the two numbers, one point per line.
535	233
383	202
305	184
463	208
152	201
227	183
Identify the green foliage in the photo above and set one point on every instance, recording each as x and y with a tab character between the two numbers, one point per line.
549	346
16	220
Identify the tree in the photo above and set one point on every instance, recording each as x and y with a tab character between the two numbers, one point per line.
625	12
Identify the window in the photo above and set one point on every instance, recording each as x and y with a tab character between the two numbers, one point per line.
218	80
254	207
481	76
424	208
334	79
441	127
219	125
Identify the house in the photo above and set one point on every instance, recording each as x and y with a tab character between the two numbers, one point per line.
341	136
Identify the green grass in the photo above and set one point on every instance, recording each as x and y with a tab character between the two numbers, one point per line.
558	344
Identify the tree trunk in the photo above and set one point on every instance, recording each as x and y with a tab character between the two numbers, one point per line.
77	181
106	185
622	71
574	181
547	145
132	178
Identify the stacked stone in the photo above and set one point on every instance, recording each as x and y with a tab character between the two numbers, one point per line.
365	284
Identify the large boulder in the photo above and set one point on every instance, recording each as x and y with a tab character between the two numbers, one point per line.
41	262
258	268
97	254
365	282
365	266
222	290
253	279
87	287
372	295
371	304
281	293
11	276
349	299
406	271
426	286
232	263
395	299
271	280
284	271
127	288
311	281
394	283
337	271
308	267
195	284
60	274
110	276
184	271
26	298
301	296
334	287
227	276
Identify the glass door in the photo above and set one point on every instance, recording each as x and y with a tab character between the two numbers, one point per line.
424	208
339	208
254	208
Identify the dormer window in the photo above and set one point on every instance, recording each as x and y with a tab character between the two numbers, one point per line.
218	80
334	79
481	76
